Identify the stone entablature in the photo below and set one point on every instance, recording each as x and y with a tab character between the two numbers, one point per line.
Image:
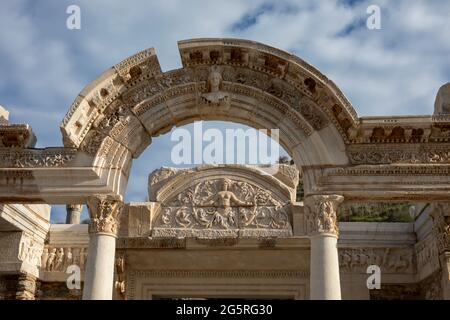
24	229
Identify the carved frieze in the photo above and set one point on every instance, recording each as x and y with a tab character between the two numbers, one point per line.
368	154
57	259
30	250
390	260
35	158
221	208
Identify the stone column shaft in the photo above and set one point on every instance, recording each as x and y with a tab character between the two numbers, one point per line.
104	215
73	213
322	229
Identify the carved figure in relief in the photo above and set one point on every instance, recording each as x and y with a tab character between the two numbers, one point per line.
59	261
83	256
223	201
224	204
51	260
44	258
214	95
69	258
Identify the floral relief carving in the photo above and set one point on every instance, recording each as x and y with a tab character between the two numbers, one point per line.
35	158
391	154
226	206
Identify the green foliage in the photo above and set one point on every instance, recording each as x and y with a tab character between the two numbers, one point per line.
375	212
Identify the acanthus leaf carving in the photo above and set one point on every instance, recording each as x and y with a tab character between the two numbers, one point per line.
104	212
321	214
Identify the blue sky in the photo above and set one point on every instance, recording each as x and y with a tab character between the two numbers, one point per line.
393	71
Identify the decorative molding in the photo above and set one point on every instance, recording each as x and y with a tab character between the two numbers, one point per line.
134	275
388	154
35	158
390	260
17	136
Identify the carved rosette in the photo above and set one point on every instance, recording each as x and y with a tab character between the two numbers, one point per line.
104	212
441	225
321	214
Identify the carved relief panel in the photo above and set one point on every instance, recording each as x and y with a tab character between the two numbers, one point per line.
224	207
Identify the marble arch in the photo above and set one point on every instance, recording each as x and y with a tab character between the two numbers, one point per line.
341	156
257	85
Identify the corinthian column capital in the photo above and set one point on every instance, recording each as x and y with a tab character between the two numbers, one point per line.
321	214
104	213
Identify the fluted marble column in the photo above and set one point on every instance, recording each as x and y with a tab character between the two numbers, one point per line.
323	231
73	213
104	212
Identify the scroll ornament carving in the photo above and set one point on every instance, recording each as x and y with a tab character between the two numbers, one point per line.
224	204
391	154
37	158
56	259
388	259
321	214
441	225
104	214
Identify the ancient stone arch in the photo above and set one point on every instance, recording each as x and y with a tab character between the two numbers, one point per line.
342	157
256	85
